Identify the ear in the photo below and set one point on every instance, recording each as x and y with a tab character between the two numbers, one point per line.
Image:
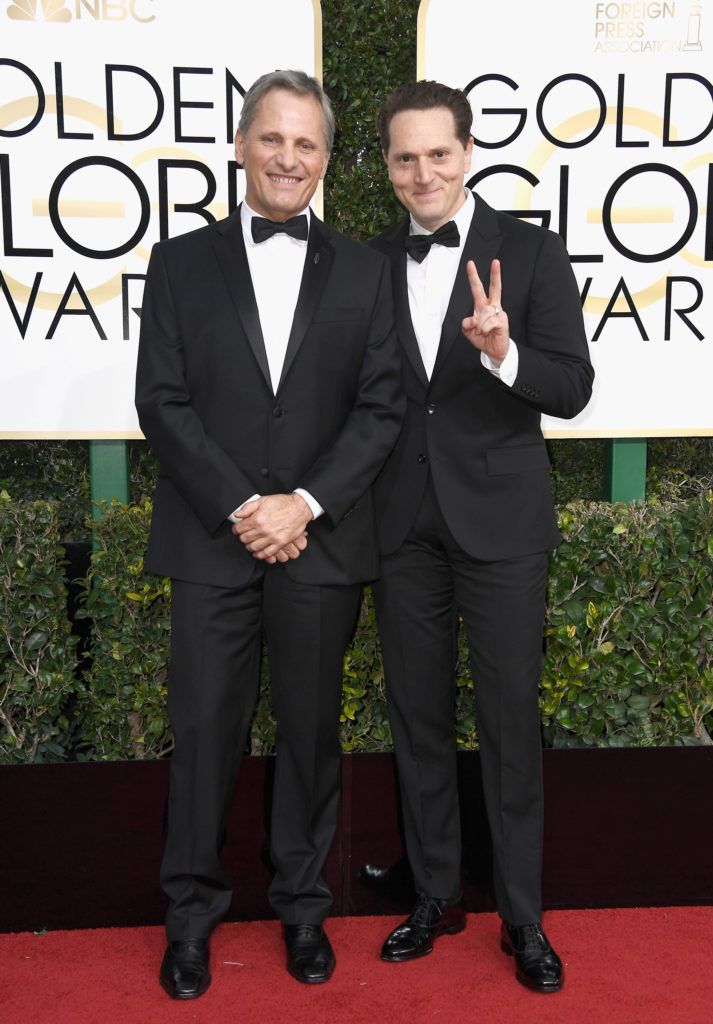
468	154
325	165
239	147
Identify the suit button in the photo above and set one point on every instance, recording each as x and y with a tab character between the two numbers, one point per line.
422	458
264	471
430	409
277	412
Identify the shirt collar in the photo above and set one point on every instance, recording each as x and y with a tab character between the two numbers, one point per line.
462	219
247	214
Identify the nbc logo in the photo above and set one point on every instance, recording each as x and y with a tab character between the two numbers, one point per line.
45	10
84	10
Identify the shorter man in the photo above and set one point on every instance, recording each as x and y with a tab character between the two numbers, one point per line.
465	513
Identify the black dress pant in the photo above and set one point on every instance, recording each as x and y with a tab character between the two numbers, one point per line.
423	586
213	681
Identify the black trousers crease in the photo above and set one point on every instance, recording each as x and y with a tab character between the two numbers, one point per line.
423	586
213	681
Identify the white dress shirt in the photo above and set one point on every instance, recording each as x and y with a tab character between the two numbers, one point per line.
280	258
430	284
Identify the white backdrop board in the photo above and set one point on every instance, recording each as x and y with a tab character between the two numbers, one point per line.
116	127
596	119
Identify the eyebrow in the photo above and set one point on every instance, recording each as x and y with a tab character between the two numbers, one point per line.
279	135
431	152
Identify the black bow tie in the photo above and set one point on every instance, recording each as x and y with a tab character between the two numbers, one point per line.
418	246
263	229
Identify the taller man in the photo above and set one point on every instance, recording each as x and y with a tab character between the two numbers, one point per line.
268	386
465	512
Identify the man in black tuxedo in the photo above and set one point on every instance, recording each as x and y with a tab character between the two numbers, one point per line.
268	386
465	513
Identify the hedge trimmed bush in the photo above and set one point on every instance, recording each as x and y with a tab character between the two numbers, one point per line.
629	658
122	706
630	626
37	653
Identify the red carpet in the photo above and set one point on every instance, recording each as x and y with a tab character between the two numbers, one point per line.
651	966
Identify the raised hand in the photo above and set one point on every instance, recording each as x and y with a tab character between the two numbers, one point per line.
488	328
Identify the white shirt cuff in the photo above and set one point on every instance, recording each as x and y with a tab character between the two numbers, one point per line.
314	506
234	517
507	371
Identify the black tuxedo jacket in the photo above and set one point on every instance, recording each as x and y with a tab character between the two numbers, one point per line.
480	439
206	405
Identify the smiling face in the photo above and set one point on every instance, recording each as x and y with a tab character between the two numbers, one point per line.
284	154
427	164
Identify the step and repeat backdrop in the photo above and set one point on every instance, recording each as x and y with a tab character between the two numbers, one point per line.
117	120
116	125
596	120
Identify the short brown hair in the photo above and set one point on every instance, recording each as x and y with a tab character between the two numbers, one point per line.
425	96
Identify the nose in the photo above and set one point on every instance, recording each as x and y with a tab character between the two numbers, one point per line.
287	156
423	171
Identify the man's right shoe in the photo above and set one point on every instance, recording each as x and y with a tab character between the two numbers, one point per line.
415	936
184	972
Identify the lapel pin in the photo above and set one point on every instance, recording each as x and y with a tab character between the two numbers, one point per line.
316	257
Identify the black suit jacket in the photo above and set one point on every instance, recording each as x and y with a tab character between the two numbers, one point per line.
480	439
206	405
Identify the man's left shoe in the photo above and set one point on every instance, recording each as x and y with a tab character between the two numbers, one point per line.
310	957
536	963
184	972
415	936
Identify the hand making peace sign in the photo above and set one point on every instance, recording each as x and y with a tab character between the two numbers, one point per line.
488	328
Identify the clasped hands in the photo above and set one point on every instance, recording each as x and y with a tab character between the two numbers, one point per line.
273	527
488	328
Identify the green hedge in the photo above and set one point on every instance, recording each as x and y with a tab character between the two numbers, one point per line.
629	659
630	626
37	653
122	706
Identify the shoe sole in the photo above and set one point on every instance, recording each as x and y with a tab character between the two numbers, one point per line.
182	997
309	981
527	982
453	930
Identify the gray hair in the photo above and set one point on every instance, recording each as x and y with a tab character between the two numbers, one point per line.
293	81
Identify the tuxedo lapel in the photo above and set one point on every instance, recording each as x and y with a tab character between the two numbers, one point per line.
481	245
404	323
318	263
233	260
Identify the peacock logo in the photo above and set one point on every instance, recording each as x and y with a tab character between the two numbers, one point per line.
39	10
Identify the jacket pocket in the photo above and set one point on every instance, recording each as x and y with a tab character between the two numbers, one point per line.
517	458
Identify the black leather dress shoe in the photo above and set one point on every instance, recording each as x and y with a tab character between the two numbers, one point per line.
184	971
536	963
310	957
415	936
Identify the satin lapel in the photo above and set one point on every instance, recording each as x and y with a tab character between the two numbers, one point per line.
404	323
233	260
482	246
318	263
